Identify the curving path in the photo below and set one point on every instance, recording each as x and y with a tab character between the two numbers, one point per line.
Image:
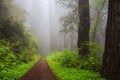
40	71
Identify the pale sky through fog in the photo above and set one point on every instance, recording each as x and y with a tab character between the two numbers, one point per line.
43	19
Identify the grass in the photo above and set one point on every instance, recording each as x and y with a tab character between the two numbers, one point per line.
65	73
16	72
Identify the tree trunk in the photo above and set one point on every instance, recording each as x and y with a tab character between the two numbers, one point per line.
111	56
84	26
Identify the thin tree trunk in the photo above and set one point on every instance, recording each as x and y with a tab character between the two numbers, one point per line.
111	57
97	21
84	26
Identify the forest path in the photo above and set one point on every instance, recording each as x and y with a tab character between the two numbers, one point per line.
40	71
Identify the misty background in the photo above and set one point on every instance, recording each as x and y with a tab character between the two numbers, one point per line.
43	20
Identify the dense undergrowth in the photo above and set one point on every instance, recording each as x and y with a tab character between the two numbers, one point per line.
68	65
18	45
15	72
14	63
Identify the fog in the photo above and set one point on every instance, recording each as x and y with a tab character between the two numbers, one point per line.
43	19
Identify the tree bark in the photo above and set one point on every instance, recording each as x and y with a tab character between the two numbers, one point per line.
111	56
84	26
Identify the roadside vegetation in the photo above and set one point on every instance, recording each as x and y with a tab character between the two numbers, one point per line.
68	65
17	71
18	46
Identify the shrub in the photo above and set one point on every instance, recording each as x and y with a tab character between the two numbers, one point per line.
69	73
90	62
15	72
69	58
9	59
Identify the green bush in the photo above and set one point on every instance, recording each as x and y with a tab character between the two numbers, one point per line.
90	62
69	58
15	72
9	59
16	38
70	73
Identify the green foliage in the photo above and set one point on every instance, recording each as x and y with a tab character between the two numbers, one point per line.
92	61
93	47
70	73
7	57
12	30
34	42
12	27
15	72
12	64
69	58
17	45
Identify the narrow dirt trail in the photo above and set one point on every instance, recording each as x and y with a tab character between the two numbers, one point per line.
40	71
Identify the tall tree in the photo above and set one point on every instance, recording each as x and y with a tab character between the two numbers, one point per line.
111	57
84	26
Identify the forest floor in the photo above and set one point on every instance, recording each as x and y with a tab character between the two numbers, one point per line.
40	71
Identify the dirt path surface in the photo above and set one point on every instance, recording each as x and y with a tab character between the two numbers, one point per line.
41	71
